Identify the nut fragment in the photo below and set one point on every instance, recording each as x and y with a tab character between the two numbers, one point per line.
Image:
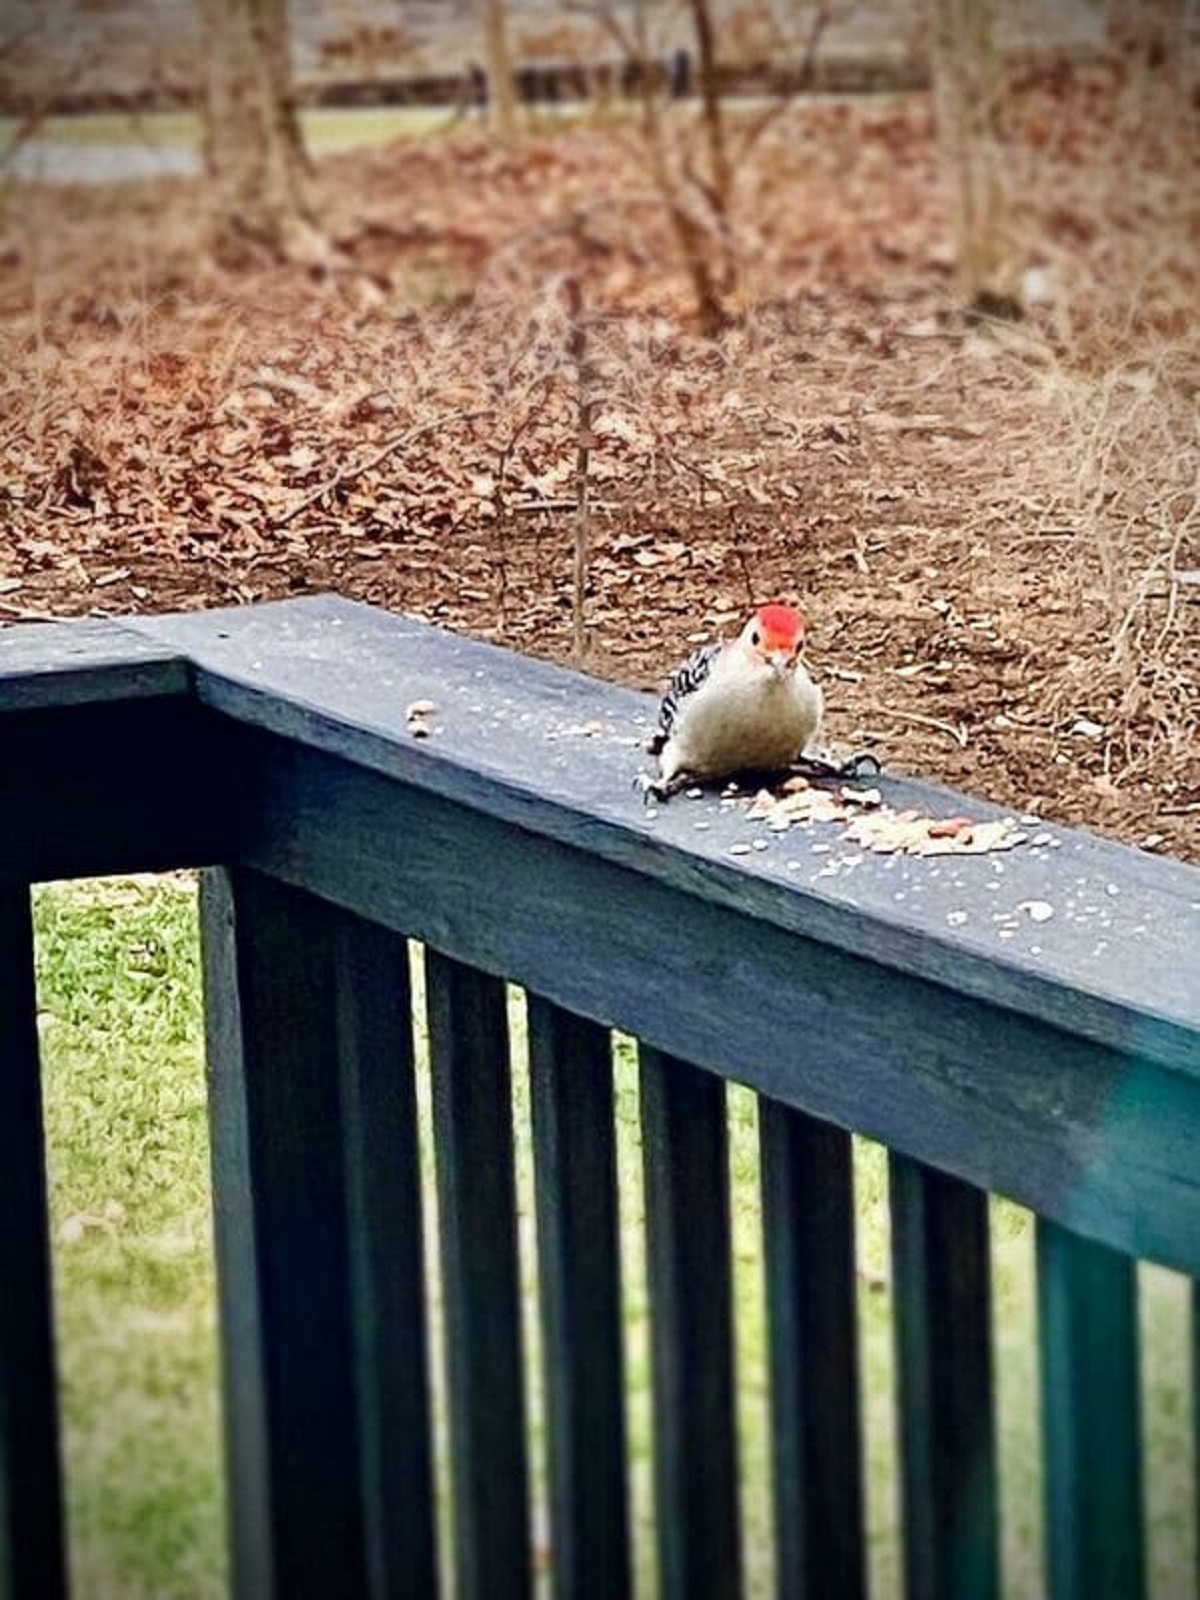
948	827
1037	910
417	718
861	797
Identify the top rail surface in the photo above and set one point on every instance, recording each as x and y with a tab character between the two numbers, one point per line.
1118	961
47	665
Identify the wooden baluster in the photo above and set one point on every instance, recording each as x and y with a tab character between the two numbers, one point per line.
472	1113
1087	1331
940	1259
684	1141
387	1268
574	1148
808	1220
309	1049
32	1558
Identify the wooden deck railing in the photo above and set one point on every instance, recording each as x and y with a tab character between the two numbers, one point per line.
1058	1065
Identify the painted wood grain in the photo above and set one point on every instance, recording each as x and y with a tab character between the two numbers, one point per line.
1087	1333
808	1223
472	1119
386	1257
690	1278
326	1419
945	1412
84	662
574	1150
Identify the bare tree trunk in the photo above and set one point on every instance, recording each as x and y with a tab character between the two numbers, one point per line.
694	240
502	99
253	148
967	84
720	172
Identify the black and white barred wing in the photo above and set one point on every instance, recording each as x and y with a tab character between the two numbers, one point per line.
690	677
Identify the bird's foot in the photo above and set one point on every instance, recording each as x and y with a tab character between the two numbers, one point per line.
650	788
655	790
853	769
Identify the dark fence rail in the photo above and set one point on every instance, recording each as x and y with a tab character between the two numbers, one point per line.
549	81
1056	1063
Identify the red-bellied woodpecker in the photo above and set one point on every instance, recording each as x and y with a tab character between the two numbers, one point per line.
748	705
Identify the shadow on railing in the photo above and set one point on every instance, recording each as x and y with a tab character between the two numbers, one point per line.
1054	1061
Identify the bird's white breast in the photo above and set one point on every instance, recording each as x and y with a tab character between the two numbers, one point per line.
739	720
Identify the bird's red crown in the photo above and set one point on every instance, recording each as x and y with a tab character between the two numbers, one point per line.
783	626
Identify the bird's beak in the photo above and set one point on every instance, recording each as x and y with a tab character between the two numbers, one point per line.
782	661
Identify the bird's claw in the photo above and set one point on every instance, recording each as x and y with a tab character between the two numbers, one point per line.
861	765
651	789
655	791
854	768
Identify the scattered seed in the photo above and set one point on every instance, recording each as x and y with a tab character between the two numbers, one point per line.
1037	910
948	827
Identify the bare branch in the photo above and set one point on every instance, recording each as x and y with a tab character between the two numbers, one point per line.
805	75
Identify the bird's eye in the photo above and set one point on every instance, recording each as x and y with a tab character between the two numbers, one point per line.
755	636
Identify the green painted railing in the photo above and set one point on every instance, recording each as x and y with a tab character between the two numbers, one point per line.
1056	1063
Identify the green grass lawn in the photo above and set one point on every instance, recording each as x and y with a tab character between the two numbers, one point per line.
119	999
121	1029
324	130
